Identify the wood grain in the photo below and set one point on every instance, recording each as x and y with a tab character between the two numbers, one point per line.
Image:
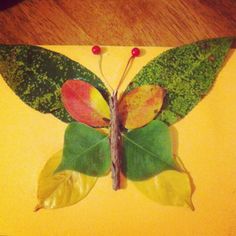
120	22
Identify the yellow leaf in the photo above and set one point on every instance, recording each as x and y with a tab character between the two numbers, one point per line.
140	106
61	189
168	188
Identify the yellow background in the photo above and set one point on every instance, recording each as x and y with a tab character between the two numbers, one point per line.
204	140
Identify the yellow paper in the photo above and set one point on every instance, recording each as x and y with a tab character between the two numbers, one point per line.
204	140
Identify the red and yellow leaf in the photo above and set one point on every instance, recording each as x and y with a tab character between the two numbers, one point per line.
85	103
140	106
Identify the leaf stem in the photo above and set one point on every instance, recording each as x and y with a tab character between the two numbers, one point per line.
115	141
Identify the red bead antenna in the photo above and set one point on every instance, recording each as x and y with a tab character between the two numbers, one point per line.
97	50
135	52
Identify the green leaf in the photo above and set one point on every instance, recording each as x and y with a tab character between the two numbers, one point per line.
85	150
36	75
147	151
187	73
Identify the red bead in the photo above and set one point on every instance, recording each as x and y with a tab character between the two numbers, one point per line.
96	50
135	52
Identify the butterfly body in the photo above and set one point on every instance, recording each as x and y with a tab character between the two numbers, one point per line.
115	141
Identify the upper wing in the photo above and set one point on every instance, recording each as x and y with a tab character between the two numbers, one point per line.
186	73
36	75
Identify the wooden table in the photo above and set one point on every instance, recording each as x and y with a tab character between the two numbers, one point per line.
117	22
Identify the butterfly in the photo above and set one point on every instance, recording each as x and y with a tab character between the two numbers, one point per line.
138	144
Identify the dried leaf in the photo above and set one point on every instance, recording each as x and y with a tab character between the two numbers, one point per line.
168	188
86	150
85	103
140	106
61	189
147	151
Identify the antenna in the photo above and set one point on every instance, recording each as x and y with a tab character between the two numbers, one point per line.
135	52
96	50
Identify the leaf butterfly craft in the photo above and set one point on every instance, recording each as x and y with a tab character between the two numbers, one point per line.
125	133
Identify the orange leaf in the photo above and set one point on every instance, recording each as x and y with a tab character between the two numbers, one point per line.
85	103
140	106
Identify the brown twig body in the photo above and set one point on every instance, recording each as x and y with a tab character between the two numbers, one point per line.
115	141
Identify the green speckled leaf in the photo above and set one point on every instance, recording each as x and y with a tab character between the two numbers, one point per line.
36	75
187	73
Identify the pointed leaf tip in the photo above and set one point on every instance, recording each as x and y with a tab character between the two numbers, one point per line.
38	207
